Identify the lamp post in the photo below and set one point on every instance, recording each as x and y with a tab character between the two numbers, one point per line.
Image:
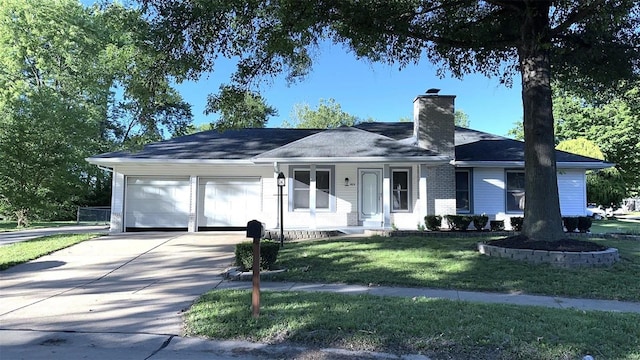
281	183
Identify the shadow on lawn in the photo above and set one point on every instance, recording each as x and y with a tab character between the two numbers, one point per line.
454	263
436	328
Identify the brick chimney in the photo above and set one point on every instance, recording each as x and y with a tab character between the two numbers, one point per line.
433	123
434	129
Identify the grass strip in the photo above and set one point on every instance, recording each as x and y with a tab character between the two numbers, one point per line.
454	263
619	226
440	329
13	226
21	252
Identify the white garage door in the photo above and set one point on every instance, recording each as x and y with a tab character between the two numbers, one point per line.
228	202
157	203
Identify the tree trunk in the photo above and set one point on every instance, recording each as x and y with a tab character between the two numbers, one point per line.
542	220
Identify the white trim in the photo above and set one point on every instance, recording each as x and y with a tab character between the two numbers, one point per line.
142	162
509	164
434	160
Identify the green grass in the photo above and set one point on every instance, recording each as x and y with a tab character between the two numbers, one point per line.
454	263
440	329
615	226
13	226
18	253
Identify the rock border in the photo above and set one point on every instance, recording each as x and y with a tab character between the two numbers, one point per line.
564	259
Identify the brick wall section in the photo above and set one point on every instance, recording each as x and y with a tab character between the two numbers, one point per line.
433	122
434	129
557	258
441	190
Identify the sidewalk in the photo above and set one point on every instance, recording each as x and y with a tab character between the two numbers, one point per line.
459	295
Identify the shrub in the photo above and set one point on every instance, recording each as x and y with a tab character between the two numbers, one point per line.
480	221
268	254
458	222
516	223
584	224
496	225
433	222
570	223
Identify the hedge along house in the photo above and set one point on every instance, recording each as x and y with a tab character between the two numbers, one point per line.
374	175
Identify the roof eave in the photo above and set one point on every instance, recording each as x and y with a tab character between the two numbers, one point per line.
435	160
133	161
560	164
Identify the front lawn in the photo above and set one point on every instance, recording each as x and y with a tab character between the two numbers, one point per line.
440	329
619	226
13	226
454	263
21	252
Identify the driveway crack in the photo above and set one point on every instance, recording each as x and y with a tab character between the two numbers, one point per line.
164	345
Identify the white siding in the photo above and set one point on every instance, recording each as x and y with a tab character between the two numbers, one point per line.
488	191
573	192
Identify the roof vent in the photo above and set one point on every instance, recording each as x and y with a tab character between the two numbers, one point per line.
433	91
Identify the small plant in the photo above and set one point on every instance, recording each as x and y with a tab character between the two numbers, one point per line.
584	223
268	254
459	222
433	222
570	223
394	227
516	223
496	225
421	227
480	221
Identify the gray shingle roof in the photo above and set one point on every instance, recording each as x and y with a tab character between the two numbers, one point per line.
230	144
346	142
369	139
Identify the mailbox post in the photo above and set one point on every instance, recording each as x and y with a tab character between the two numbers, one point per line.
255	231
281	182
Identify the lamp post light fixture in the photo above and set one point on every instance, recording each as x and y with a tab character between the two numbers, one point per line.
281	182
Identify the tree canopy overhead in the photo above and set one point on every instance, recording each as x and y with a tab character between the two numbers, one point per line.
586	44
75	82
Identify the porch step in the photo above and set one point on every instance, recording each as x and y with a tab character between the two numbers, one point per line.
301	234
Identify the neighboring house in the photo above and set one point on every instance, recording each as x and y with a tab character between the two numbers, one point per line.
375	175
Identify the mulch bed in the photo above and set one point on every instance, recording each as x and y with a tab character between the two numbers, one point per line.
523	242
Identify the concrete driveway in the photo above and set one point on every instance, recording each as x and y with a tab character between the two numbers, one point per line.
131	286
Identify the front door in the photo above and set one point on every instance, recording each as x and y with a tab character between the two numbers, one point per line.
370	197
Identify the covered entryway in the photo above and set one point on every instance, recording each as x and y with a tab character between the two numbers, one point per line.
157	203
228	203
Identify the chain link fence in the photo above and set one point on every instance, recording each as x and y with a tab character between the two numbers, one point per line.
94	214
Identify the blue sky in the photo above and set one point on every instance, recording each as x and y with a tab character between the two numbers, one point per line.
379	91
367	90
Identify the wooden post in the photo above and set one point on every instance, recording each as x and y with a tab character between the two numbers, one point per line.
255	296
255	231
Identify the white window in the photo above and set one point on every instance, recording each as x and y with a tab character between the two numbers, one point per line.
463	191
515	191
301	182
400	190
302	185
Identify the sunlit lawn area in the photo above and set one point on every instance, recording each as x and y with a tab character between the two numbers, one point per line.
454	263
619	226
18	253
13	226
440	329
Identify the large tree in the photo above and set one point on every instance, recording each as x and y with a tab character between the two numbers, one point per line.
585	43
612	123
327	115
74	82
